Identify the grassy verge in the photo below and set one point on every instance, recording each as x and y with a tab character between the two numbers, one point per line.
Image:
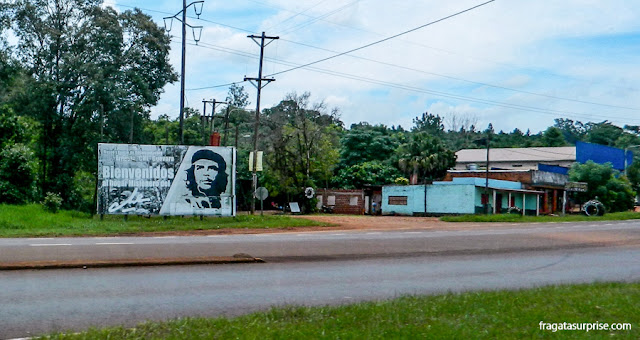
33	221
475	315
519	218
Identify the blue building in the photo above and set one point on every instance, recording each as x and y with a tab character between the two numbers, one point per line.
459	196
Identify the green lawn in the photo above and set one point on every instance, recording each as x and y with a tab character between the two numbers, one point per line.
474	315
33	221
629	215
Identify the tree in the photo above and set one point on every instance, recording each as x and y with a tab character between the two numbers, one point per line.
605	183
425	157
572	131
603	133
367	173
429	123
553	136
298	136
366	143
91	70
17	174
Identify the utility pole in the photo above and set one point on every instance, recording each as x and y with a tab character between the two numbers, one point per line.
183	19
205	118
226	125
257	82
486	183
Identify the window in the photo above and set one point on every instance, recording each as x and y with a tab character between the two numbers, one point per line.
353	200
331	200
517	165
397	200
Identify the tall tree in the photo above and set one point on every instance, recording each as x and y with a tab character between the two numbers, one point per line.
298	137
425	158
93	71
366	143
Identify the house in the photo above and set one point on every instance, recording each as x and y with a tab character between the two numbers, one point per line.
532	158
460	196
551	184
515	158
542	169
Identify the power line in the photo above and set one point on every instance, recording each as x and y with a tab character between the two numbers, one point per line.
385	39
410	88
464	80
340	9
297	14
403	67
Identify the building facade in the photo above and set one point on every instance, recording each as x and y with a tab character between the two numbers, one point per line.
460	196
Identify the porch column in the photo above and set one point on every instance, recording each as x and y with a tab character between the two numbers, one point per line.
509	203
537	205
564	202
494	202
524	203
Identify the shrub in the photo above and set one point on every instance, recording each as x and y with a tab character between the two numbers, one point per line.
17	174
52	202
402	181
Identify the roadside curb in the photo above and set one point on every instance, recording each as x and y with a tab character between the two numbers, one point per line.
85	264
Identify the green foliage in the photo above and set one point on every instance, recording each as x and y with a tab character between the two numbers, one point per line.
401	181
429	123
604	133
553	137
17	174
237	96
299	143
605	183
52	202
366	143
367	173
425	156
93	75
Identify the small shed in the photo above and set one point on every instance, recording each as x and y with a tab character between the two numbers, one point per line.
342	201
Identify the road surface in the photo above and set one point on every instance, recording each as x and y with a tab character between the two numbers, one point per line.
302	268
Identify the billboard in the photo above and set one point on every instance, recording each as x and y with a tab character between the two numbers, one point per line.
166	180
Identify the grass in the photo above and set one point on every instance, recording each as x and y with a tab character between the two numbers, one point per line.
473	315
627	215
32	221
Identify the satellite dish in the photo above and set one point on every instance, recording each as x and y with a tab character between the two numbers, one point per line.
309	192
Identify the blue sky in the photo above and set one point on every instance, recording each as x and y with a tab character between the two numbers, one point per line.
515	64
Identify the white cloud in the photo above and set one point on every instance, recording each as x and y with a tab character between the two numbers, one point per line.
518	45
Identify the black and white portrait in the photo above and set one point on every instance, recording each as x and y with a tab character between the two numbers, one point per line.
203	183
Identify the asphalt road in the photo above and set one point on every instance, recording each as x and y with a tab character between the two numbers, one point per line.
302	268
37	302
330	244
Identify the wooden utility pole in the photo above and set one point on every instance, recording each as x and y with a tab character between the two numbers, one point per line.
257	82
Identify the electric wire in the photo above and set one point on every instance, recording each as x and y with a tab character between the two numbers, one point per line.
405	87
383	40
413	70
409	88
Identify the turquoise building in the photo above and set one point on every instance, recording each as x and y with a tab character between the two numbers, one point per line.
459	196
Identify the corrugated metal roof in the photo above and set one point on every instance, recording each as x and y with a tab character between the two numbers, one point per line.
541	154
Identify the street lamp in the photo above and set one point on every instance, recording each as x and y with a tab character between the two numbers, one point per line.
168	21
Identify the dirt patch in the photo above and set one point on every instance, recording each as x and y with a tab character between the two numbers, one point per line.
346	222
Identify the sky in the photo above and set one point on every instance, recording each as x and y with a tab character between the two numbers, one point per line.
512	63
